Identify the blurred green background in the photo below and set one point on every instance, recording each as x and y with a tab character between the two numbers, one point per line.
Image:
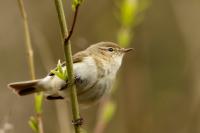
160	84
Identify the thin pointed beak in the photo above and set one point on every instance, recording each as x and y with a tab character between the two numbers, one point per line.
125	50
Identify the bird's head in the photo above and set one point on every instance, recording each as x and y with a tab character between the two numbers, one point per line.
109	51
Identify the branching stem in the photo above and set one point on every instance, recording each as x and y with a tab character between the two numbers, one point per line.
68	59
73	24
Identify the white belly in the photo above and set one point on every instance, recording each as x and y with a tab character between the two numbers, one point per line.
86	71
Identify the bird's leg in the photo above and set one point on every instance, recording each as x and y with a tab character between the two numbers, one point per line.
78	122
54	97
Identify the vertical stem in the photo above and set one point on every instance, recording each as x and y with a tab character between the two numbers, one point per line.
69	63
30	57
28	40
40	121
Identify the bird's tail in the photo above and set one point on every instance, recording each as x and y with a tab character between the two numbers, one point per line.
25	87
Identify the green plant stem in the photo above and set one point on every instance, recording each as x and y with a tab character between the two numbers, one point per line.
69	62
30	57
40	122
28	40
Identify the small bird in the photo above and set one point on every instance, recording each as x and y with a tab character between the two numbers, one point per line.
95	70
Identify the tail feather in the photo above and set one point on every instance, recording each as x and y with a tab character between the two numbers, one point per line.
24	88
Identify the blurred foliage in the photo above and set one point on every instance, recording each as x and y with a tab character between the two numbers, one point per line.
108	111
33	123
129	17
128	11
38	103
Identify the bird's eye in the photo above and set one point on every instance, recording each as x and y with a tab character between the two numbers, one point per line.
110	49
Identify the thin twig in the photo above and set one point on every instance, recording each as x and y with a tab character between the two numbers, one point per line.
69	61
30	56
73	24
40	123
28	39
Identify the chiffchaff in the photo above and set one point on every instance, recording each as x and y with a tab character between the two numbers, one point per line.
95	70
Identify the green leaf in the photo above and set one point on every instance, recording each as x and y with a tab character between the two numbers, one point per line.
38	102
128	12
59	67
54	72
33	124
124	37
60	71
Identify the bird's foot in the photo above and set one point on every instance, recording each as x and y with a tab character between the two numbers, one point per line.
77	122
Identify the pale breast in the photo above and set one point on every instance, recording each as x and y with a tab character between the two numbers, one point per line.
98	87
85	73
